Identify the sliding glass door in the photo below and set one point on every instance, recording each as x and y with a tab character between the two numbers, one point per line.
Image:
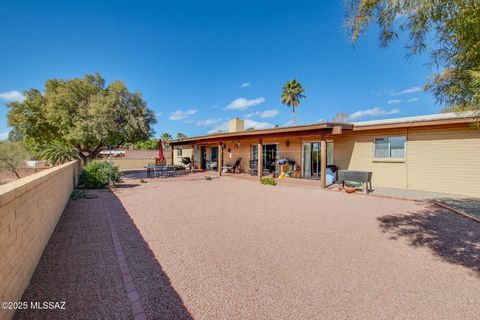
312	159
270	157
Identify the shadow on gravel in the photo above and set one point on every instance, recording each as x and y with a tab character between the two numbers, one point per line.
159	299
470	206
449	236
126	185
79	266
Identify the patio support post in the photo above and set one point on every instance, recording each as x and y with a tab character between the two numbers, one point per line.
220	159
260	159
323	162
193	158
173	153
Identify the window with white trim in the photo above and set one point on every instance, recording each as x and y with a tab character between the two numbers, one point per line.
389	147
179	152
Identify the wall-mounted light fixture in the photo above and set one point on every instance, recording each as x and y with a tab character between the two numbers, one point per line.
288	143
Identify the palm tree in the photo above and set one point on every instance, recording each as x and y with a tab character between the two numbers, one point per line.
166	137
291	95
181	136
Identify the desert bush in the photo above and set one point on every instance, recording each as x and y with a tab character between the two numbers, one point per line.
269	181
98	174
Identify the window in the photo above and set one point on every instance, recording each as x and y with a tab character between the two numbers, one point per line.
179	152
389	148
329	153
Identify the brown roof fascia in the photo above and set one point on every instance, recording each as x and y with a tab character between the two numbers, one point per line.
414	124
319	129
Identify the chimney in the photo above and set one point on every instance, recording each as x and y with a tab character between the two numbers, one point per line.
236	125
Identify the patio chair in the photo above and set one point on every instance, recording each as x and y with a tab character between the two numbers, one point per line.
232	169
211	165
150	170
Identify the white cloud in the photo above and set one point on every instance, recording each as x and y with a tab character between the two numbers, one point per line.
248	124
406	91
257	125
242	103
245	85
373	112
180	115
11	96
412	100
220	128
394	101
263	114
3	136
208	122
158	114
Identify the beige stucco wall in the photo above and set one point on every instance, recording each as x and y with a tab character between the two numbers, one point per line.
186	152
443	159
29	211
133	163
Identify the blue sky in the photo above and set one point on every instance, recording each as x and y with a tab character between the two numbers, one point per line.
200	63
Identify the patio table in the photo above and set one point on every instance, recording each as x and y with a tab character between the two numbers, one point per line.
154	171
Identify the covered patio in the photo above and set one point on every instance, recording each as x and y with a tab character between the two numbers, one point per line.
306	150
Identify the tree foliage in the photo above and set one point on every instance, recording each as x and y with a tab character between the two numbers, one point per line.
151	144
341	117
449	29
15	135
84	113
291	94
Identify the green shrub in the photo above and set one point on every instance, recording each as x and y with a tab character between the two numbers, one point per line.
77	194
143	181
269	181
58	152
98	174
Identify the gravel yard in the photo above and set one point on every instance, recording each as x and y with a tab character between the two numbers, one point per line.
235	249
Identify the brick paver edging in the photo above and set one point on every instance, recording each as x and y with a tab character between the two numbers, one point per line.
132	293
457	211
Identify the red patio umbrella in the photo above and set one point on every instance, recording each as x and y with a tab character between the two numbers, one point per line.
161	157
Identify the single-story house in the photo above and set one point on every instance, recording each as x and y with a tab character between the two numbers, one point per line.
439	152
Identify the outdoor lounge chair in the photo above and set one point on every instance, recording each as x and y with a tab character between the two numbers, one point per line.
232	169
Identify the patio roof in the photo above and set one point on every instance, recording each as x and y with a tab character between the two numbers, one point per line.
337	128
311	129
